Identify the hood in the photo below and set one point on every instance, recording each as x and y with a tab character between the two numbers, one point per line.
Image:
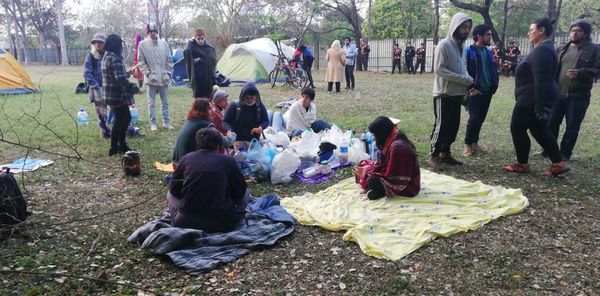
457	19
250	87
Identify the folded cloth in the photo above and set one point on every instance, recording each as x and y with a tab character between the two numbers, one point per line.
27	164
392	228
198	251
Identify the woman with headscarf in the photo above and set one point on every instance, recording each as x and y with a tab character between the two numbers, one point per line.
336	63
396	171
117	92
200	61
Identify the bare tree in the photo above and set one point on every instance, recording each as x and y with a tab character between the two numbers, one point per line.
42	17
483	10
436	26
224	14
554	8
15	9
349	10
58	5
9	37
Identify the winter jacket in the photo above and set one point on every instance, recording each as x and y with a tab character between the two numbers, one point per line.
535	84
588	67
450	67
116	88
155	61
241	118
475	68
201	62
336	61
351	52
92	69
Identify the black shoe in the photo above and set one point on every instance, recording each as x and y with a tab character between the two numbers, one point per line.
113	151
373	196
448	159
565	157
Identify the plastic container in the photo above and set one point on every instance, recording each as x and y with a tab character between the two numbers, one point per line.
83	119
311	171
343	151
241	158
135	115
325	167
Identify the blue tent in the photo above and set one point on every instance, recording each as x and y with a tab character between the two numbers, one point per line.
179	75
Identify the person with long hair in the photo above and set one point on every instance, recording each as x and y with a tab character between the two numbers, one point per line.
396	171
336	62
92	72
536	90
117	92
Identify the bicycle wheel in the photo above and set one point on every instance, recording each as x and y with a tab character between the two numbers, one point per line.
299	80
277	77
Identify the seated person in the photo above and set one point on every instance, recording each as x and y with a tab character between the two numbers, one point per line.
248	117
208	191
198	117
220	103
303	114
396	171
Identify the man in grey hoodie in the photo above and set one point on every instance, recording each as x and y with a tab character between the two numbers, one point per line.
449	89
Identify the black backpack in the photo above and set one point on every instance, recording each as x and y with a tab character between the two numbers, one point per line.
13	207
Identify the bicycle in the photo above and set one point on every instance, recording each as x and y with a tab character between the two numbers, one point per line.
284	74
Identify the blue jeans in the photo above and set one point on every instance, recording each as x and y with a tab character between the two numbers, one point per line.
478	109
164	102
572	108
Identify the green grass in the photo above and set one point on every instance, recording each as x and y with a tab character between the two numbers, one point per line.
554	244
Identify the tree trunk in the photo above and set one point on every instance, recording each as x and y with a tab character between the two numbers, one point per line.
42	48
9	32
504	23
61	32
24	39
436	28
369	21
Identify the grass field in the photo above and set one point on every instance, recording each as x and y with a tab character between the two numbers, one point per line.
551	248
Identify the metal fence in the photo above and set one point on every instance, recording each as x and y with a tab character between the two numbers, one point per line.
380	58
52	55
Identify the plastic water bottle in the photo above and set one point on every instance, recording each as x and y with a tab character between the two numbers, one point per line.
241	158
135	115
82	117
365	140
344	151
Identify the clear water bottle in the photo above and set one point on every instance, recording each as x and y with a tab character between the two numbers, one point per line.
135	115
82	118
344	151
241	158
365	140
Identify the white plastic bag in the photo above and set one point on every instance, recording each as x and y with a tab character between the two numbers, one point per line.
279	139
308	146
356	152
334	135
283	166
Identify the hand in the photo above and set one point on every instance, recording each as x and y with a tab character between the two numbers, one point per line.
571	73
256	131
357	170
474	92
141	91
130	71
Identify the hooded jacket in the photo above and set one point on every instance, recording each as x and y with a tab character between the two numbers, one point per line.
450	67
155	61
587	66
241	118
475	67
92	68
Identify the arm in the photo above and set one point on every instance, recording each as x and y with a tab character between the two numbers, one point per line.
398	171
311	115
229	117
177	180
594	70
541	67
236	182
441	69
264	116
121	77
88	73
142	65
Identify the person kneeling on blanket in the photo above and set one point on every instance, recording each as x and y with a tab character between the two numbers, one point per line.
207	191
396	170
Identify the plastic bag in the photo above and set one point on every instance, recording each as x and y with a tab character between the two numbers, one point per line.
259	159
279	139
334	135
356	153
308	146
283	166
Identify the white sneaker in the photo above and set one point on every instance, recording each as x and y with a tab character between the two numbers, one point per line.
153	127
168	126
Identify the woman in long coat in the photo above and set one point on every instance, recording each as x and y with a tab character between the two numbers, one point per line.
336	63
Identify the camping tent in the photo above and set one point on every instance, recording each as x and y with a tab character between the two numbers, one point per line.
252	60
179	76
13	78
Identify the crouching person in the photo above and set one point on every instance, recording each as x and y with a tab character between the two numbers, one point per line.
396	171
207	191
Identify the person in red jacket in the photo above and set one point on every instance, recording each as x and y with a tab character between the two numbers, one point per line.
396	171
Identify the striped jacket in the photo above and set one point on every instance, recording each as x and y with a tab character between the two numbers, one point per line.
117	90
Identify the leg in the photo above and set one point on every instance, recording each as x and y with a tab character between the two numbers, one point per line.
352	82
347	73
556	116
445	127
375	189
519	124
102	120
393	67
120	125
164	102
337	87
329	86
539	131
320	125
308	69
152	90
478	108
576	110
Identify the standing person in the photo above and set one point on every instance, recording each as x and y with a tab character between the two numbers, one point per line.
536	90
421	58
579	63
309	58
154	60
351	52
512	56
200	62
449	88
92	72
248	117
498	54
396	59
117	92
409	55
137	73
481	66
336	60
365	49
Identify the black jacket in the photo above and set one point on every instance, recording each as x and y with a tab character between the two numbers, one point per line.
588	67
535	83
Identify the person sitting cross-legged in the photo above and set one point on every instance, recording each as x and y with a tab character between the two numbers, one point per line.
303	115
207	191
247	117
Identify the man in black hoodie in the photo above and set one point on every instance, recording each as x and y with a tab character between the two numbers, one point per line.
248	117
579	63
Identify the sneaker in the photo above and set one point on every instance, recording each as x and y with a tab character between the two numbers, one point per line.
448	159
435	162
468	150
168	126
557	169
517	168
479	148
153	127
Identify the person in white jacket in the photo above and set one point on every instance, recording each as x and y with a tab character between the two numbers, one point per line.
449	89
303	114
154	60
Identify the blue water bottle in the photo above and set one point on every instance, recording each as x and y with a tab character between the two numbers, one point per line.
82	117
135	115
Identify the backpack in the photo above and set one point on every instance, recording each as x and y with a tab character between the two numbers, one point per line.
13	206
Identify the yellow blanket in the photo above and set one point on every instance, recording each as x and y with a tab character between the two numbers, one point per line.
392	228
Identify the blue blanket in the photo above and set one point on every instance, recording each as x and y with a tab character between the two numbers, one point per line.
198	251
